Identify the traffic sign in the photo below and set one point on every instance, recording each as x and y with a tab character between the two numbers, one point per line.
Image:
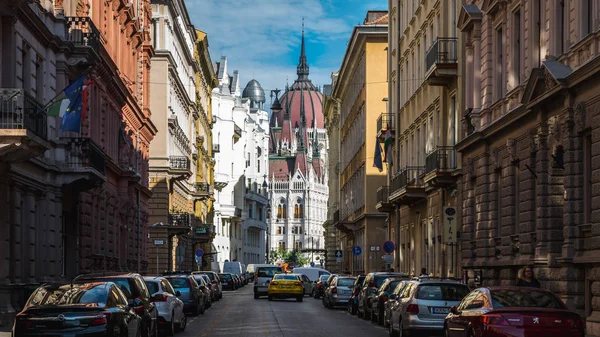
199	252
338	253
388	258
356	250
159	242
389	247
338	260
312	264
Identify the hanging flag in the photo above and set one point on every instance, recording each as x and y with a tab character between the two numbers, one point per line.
71	120
85	99
58	108
377	158
387	147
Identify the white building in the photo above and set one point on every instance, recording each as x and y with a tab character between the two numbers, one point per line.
241	130
298	173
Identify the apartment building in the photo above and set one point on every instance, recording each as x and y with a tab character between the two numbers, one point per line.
361	89
529	147
423	118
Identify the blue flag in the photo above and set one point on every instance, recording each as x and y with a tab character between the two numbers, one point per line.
71	121
377	160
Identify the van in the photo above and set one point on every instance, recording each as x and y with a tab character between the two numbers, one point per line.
233	267
313	274
263	275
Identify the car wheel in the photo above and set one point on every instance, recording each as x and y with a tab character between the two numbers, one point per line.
403	332
139	331
386	321
380	317
391	331
312	292
358	312
324	302
366	313
256	296
182	324
270	298
202	309
300	298
221	295
170	327
373	318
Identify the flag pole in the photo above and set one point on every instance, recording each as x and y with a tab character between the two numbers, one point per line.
53	100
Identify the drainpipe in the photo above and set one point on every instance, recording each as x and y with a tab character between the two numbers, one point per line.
139	222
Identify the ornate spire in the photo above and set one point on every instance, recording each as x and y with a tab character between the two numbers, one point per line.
302	69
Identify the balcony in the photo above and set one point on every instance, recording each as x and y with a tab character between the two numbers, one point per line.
216	148
180	165
237	132
383	200
440	166
203	191
84	35
407	186
237	212
84	162
336	217
385	122
181	219
441	62
256	193
23	126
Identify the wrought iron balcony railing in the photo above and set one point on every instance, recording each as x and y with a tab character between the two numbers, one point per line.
82	32
84	153
443	158
408	176
383	195
179	162
19	110
336	216
204	187
180	219
443	50
386	121
238	212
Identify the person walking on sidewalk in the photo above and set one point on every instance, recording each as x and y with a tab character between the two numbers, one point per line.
527	278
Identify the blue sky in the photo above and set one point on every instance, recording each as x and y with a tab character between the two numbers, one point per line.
261	38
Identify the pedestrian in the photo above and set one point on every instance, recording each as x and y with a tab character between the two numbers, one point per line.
391	270
527	278
347	272
423	273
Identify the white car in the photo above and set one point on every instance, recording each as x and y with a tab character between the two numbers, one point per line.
170	308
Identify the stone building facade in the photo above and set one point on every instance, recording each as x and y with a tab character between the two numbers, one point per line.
75	202
529	135
423	117
360	89
175	153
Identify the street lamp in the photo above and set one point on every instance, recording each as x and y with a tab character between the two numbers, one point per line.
265	185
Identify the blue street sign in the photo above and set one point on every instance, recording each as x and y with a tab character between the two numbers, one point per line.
356	250
338	253
312	264
389	247
199	252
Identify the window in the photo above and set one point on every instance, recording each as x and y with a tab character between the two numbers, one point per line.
500	83
537	33
279	212
298	245
517	188
564	25
281	245
587	178
587	14
516	49
39	78
498	175
296	213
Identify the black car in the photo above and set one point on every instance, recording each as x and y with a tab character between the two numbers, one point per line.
353	302
138	297
190	293
227	281
216	283
78	309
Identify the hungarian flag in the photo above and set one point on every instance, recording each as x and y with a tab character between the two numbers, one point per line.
387	147
377	157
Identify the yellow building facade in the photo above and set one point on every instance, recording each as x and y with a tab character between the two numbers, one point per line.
361	89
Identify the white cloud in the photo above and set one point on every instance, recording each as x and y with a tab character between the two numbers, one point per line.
258	37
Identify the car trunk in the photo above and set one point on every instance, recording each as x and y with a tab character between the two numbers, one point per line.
555	322
61	317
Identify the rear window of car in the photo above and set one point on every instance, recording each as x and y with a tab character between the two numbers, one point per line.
225	276
286	277
268	271
525	299
200	280
379	279
66	295
127	286
393	285
442	292
179	282
211	276
152	287
345	282
324	278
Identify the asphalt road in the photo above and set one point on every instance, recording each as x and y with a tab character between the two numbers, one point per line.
239	314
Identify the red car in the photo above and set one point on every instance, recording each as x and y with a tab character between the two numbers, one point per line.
514	312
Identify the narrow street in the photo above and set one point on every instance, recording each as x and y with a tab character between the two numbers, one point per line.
239	314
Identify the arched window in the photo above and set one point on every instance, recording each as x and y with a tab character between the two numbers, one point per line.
279	209
284	211
296	212
301	211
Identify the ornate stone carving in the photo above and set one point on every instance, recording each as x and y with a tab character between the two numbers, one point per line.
511	147
470	168
495	158
579	116
550	82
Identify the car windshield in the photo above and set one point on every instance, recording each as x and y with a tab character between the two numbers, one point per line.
179	282
152	286
323	278
268	271
211	276
200	280
393	284
225	276
379	279
90	294
127	286
525	298
345	282
439	292
285	277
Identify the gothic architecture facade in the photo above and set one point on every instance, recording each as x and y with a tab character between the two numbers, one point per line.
298	167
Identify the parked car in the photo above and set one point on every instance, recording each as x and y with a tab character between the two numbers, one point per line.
171	317
378	301
264	275
285	286
392	298
338	292
353	301
512	311
369	289
217	288
307	283
320	288
138	297
312	273
206	288
189	292
227	281
82	309
424	304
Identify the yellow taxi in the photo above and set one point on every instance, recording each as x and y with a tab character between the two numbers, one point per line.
286	286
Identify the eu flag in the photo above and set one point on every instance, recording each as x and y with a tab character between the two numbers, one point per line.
71	121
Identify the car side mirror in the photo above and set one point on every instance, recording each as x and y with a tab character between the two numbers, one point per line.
134	302
454	310
177	293
393	297
157	297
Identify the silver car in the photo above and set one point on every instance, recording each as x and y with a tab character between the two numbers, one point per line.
339	291
264	274
170	308
423	305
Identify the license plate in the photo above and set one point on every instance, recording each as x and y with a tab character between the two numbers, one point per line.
346	292
285	286
440	310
